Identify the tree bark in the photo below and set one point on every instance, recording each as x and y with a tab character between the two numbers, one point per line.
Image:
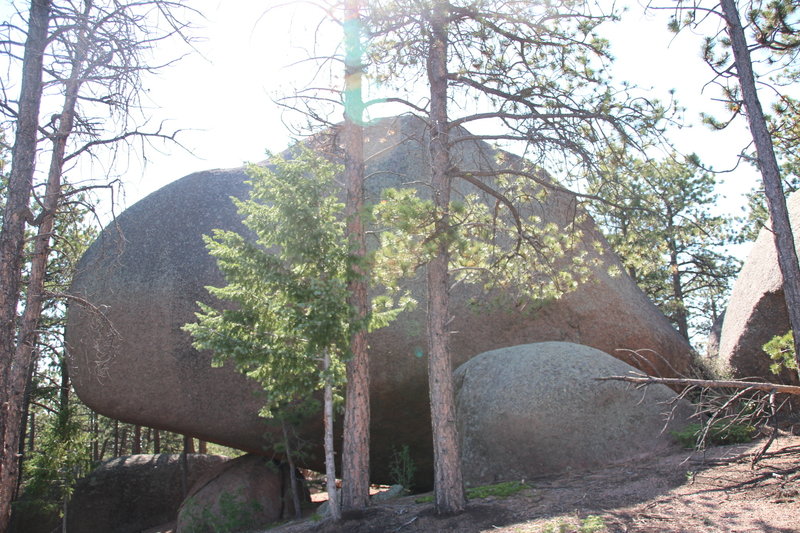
21	366
355	452
770	173
448	483
12	237
330	463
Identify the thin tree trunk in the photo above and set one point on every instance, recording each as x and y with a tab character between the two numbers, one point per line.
188	444
12	238
448	483
770	173
23	427
123	440
202	446
355	452
680	315
156	441
116	438
32	433
330	462
95	428
136	445
298	513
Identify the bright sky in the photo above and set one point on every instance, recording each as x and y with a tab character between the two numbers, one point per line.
223	95
226	99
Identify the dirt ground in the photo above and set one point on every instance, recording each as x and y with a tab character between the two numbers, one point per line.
714	491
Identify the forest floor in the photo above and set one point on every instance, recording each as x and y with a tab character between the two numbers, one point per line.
715	491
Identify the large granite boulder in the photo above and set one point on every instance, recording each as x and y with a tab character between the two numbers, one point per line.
535	409
756	311
136	492
247	493
130	359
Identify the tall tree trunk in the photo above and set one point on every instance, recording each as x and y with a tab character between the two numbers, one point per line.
355	452
202	446
330	462
12	237
770	173
448	484
156	441
19	372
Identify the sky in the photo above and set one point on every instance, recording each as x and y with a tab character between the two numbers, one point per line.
221	94
225	97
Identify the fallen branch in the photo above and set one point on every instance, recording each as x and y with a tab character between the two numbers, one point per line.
643	380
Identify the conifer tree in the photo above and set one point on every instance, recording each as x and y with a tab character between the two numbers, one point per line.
522	73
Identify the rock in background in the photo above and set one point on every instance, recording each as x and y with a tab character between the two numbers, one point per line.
247	493
536	409
145	272
756	311
136	492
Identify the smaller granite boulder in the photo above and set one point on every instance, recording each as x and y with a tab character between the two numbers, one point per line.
537	409
246	493
136	492
756	311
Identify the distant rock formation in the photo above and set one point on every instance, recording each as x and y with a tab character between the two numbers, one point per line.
134	493
535	409
146	271
756	311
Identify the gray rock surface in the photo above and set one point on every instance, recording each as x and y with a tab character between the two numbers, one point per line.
247	493
535	409
134	493
146	271
756	311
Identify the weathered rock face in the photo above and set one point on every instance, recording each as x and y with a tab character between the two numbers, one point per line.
756	311
136	492
536	409
247	493
146	272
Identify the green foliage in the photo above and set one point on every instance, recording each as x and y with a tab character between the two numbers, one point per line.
235	514
497	490
657	217
492	246
590	524
402	468
781	350
721	432
61	458
286	292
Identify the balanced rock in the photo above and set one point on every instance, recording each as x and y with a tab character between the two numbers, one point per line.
136	492
535	409
131	360
247	493
756	311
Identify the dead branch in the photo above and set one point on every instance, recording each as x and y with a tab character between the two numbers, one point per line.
643	380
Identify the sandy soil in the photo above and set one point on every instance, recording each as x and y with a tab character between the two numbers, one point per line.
716	491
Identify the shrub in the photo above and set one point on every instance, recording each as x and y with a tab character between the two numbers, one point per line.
721	432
